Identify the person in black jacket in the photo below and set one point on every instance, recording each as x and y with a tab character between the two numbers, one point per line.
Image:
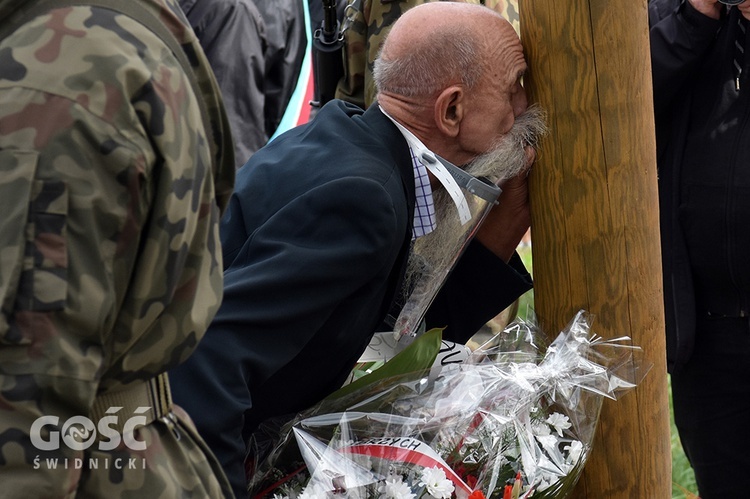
255	48
232	33
317	238
287	44
702	111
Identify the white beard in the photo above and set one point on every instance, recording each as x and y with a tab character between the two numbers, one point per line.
434	254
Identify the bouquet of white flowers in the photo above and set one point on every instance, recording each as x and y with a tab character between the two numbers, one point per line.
515	420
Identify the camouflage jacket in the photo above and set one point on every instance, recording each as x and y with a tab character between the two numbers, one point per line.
110	265
366	24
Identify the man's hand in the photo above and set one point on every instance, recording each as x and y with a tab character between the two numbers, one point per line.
506	223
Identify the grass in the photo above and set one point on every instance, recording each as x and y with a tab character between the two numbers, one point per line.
683	479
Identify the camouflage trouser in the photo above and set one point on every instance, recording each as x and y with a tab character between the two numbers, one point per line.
366	24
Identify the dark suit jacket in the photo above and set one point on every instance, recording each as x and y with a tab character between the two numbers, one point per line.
315	243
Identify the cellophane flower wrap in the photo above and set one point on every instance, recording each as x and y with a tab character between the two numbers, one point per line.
515	420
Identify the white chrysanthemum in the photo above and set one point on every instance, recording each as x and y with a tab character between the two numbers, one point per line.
559	421
280	496
395	488
540	429
575	449
549	442
437	483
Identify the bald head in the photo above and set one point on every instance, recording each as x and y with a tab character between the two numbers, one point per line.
438	44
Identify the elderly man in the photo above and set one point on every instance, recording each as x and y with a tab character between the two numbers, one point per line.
318	234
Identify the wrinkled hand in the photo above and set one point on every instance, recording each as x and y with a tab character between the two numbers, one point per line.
508	221
710	8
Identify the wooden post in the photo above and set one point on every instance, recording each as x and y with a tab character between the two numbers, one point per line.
595	225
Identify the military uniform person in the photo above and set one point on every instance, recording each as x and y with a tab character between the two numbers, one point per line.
366	24
111	188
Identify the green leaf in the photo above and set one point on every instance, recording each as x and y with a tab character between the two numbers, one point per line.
418	356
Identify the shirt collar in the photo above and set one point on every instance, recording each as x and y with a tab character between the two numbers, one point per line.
446	173
424	220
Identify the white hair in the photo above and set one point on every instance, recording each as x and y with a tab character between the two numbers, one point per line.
432	64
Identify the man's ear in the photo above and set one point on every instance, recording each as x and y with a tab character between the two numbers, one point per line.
449	110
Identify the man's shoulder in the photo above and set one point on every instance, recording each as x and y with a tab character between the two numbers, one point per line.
339	131
93	47
354	124
659	9
106	69
336	113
